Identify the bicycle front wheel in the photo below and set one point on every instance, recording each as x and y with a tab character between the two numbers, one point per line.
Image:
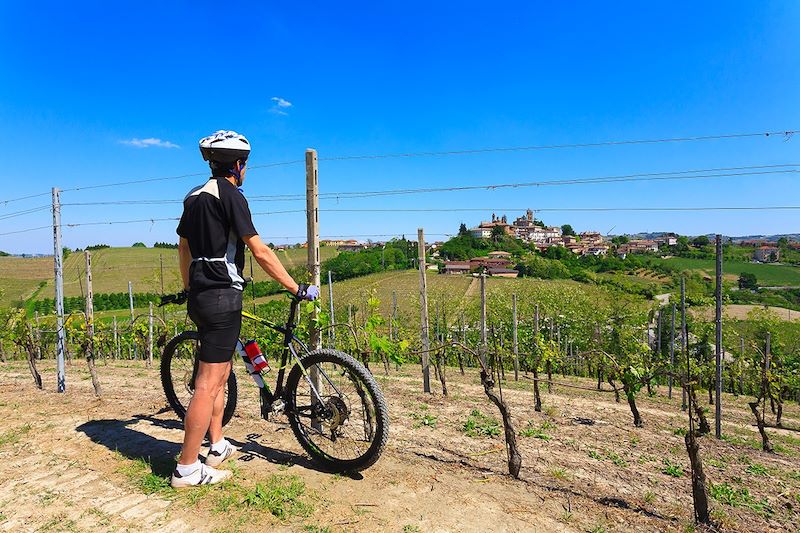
179	370
347	431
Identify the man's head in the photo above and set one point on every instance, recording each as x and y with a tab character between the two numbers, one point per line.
226	153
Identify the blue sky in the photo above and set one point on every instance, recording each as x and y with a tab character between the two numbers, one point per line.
83	84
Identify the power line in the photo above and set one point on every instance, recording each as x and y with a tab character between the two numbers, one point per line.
787	134
554	209
24	212
25	230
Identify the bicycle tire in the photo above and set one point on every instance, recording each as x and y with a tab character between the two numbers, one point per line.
381	412
168	380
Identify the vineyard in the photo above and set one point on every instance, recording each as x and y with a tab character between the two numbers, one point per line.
589	436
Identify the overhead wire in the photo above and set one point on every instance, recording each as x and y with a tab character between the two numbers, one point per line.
785	133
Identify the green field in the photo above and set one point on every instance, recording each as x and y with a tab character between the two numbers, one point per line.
112	268
767	274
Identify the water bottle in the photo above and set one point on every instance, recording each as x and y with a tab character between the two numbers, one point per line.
259	381
257	359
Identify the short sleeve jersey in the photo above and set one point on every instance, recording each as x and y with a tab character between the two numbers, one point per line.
215	219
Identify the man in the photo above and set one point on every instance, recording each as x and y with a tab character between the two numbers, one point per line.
215	227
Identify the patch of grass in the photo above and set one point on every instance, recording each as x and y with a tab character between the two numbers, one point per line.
141	474
681	432
739	497
550	410
12	436
795	475
535	432
757	470
649	496
410	528
480	425
283	496
427	420
616	459
47	497
716	463
560	473
60	522
2	517
672	469
316	529
738	440
595	455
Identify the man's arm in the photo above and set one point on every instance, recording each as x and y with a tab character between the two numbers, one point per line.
267	259
185	259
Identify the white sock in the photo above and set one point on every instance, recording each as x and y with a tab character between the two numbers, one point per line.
220	446
185	470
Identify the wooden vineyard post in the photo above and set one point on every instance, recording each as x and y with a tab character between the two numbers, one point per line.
671	350
58	267
116	341
423	313
515	347
332	329
90	324
684	340
150	335
312	241
718	339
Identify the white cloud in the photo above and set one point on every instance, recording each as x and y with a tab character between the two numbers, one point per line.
280	102
279	105
150	141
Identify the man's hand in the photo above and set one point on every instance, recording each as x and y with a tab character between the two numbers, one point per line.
308	292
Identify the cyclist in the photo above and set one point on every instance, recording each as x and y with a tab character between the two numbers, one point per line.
215	227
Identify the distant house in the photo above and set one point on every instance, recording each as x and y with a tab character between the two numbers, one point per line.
456	267
591	237
640	246
767	254
488	262
499	255
352	246
484	229
502	272
600	249
668	239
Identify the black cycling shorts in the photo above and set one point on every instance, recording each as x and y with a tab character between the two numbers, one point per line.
218	316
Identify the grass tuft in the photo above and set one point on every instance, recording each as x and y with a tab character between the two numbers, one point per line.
480	425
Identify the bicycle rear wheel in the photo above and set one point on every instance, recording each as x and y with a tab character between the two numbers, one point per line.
348	431
178	371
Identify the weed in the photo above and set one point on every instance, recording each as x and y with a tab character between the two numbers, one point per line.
566	517
550	410
535	432
716	463
795	475
672	469
47	497
597	529
316	529
756	469
282	496
409	528
480	425
616	459
547	425
740	497
12	436
649	496
2	517
681	432
634	441
559	473
141	474
426	420
594	455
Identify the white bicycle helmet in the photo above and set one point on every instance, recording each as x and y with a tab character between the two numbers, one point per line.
224	147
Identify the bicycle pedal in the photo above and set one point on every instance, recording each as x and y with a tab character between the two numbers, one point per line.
278	407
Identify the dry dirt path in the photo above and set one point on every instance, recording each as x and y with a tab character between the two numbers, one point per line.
74	463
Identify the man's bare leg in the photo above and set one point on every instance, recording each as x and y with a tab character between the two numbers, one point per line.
215	428
208	385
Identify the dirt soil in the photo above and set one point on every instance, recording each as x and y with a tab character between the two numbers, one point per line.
71	462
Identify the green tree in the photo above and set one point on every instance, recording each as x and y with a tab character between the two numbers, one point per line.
566	229
747	280
139	245
498	234
701	240
462	230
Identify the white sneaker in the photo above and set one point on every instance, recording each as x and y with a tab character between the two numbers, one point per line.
205	475
215	458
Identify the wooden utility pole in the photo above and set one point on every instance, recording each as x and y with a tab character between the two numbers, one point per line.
90	323
718	343
333	316
58	267
423	312
312	241
117	354
514	333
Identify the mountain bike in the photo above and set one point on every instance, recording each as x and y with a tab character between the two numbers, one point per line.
334	405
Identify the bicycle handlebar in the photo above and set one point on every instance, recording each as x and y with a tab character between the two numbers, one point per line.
181	297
